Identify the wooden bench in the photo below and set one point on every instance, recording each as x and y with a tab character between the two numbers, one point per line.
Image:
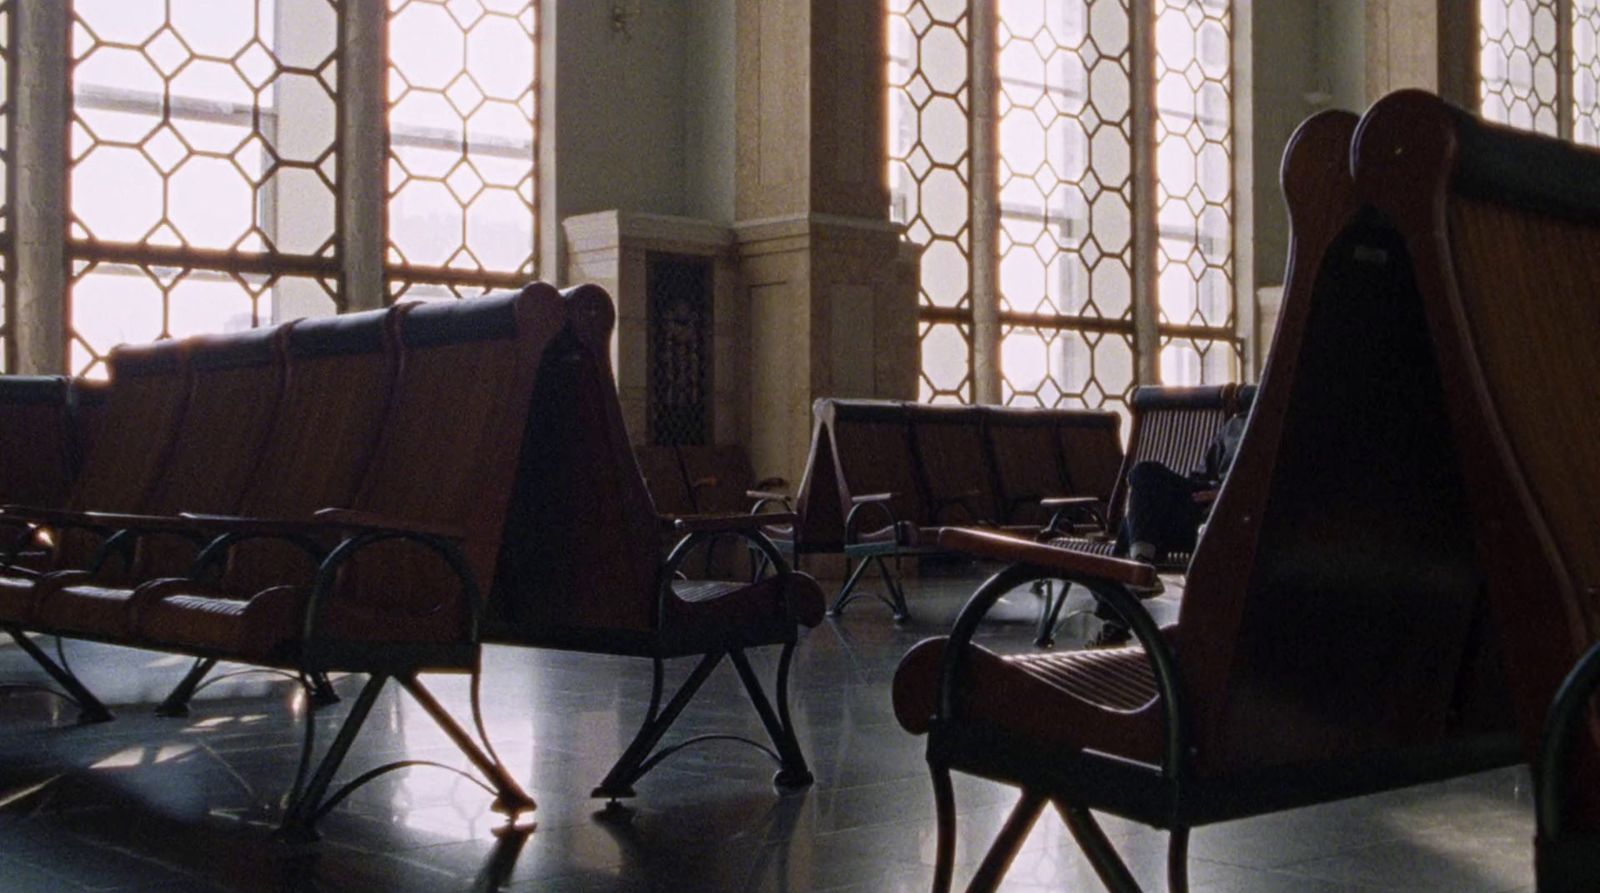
883	477
328	495
581	569
345	495
690	479
1334	637
1502	231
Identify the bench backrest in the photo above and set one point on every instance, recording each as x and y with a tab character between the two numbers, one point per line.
133	440
873	453
1506	230
37	440
448	454
580	553
718	475
235	383
952	462
1026	457
1172	426
664	475
336	395
1091	452
1334	605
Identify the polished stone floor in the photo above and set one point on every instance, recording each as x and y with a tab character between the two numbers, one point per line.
145	803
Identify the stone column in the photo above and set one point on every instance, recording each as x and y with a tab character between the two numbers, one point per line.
39	219
612	249
363	156
1431	44
830	283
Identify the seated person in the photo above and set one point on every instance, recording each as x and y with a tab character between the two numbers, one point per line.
1165	512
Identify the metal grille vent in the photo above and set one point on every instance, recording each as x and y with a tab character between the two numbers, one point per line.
679	291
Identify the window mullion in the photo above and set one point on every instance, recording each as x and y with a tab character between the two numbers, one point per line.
1146	238
985	191
363	129
39	160
1565	71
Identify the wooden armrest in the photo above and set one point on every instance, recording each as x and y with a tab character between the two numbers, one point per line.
729	523
143	523
1067	502
871	497
768	494
375	523
223	524
33	515
1000	547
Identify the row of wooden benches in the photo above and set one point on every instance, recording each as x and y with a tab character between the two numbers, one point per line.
884	478
377	493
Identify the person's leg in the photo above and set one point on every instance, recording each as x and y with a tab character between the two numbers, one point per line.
1162	514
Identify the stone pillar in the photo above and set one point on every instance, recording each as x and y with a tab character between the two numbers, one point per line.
39	220
1431	44
831	286
612	249
363	156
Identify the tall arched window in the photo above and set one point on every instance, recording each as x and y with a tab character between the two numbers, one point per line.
1066	165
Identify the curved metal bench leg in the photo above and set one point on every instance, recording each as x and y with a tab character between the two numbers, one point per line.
845	592
897	595
1178	861
299	819
322	689
631	766
1007	843
177	701
944	804
793	772
1113	872
510	798
90	709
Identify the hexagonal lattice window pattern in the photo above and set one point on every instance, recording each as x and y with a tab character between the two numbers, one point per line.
1586	71
116	303
1066	207
463	103
1185	360
177	136
1066	367
1517	62
1194	193
206	131
929	174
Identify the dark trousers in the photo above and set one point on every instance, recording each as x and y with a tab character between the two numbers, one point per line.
1161	510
